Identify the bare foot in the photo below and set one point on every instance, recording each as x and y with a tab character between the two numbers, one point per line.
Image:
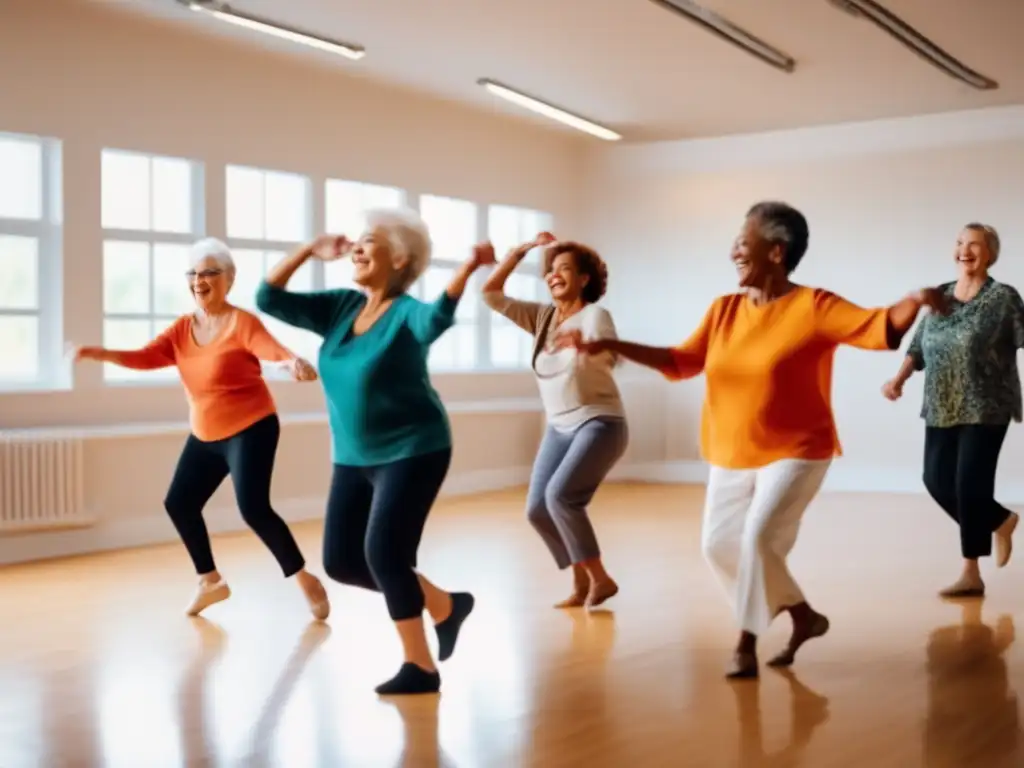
575	600
814	626
580	589
600	591
209	593
1004	539
316	595
744	666
965	586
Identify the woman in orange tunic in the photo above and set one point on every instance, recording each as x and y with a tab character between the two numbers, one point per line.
217	349
767	429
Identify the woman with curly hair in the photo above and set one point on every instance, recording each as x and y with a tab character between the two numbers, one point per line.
586	433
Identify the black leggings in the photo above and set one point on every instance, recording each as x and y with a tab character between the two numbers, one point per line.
249	458
375	518
960	474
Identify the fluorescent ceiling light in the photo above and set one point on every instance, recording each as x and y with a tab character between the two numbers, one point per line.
225	13
895	26
548	110
729	32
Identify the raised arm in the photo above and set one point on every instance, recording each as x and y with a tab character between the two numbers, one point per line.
314	311
525	314
428	321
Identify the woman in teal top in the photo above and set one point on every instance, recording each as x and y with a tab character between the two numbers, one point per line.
391	440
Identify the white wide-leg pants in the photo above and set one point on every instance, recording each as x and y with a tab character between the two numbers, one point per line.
751	520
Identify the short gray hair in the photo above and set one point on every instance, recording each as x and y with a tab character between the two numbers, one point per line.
407	236
212	248
991	238
783	224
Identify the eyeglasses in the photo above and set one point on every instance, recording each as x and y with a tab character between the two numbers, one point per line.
206	274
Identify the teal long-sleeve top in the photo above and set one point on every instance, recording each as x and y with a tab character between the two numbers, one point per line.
380	403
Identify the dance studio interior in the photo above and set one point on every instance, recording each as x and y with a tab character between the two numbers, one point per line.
155	152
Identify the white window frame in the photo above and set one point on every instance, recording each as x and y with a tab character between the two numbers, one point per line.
274	370
151	237
531	267
53	373
472	293
403	201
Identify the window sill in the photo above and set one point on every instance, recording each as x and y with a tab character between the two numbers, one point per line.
112	431
33	388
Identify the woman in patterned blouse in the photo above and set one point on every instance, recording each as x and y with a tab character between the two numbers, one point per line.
971	392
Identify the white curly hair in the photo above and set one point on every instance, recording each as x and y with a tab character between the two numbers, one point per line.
407	236
212	248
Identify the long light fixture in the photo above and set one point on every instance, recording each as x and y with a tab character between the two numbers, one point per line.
729	32
226	13
548	110
897	28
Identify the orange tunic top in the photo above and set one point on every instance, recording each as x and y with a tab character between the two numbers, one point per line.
769	374
223	379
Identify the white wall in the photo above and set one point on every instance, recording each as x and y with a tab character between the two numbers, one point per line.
885	201
94	76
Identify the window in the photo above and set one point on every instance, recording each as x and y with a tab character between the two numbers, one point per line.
269	213
346	204
453	229
508	227
30	292
151	210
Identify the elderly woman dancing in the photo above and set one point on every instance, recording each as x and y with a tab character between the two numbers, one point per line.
586	431
390	432
971	393
768	431
217	349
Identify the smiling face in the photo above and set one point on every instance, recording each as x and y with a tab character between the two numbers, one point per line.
564	279
374	265
756	259
209	283
972	253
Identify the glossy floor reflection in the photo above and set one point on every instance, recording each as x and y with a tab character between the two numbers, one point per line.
98	666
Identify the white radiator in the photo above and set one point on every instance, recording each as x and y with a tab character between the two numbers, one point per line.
41	483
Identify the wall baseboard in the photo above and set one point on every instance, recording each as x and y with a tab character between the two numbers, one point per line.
153	527
841	478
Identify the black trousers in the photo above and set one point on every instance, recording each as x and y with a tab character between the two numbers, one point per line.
960	474
375	519
249	458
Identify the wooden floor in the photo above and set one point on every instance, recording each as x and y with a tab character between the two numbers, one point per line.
98	667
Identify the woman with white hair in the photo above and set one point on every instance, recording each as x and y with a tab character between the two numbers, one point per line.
391	440
971	394
217	349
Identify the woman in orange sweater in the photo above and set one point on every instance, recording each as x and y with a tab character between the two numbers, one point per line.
217	350
767	430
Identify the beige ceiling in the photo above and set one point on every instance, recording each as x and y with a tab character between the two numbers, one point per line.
649	74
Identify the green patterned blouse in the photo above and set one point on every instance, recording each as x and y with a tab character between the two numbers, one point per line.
970	358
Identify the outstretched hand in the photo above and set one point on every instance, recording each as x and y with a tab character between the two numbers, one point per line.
935	299
574	340
77	353
302	370
892	390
